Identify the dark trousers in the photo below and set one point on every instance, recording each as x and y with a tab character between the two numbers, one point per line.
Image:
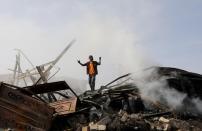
91	81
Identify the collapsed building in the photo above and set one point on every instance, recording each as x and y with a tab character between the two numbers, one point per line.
117	105
120	105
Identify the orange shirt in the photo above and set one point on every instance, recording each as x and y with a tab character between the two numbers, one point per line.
91	69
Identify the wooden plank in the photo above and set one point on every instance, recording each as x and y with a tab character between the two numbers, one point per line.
16	107
85	128
23	101
43	76
64	107
9	119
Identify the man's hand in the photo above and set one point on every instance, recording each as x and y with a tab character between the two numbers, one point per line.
99	60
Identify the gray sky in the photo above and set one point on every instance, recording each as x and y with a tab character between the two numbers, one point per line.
128	34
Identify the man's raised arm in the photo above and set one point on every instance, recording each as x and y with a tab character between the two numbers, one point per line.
81	63
99	63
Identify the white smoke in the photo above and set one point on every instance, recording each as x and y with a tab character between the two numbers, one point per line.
155	88
197	105
118	46
122	53
107	36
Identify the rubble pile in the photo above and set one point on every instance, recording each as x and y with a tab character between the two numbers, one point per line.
116	106
121	108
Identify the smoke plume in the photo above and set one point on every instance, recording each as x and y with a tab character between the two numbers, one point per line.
154	87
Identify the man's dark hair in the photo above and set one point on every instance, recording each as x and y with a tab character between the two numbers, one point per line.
90	57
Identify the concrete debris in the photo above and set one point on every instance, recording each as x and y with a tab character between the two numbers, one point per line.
164	120
96	127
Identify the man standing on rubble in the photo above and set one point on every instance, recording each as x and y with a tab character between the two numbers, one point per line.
91	68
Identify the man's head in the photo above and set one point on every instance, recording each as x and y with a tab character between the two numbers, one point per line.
91	58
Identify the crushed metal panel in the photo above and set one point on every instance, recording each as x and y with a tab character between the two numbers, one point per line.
49	87
64	107
23	112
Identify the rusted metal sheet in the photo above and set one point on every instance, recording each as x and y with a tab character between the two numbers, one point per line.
64	107
23	112
49	87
